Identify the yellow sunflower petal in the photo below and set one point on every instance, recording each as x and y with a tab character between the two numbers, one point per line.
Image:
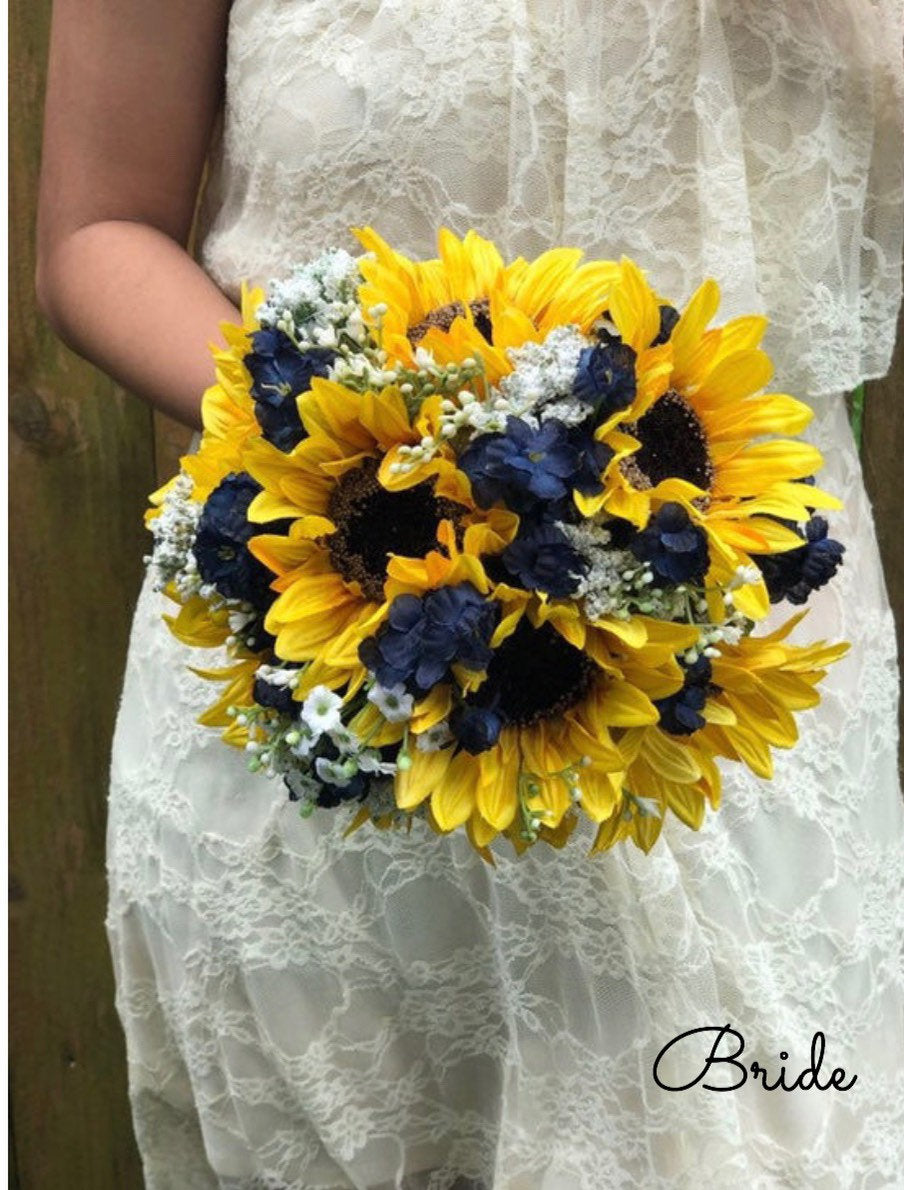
600	793
688	802
497	792
782	458
414	785
669	758
195	624
690	353
453	798
633	307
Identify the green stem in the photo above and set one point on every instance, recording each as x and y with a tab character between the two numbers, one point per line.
857	397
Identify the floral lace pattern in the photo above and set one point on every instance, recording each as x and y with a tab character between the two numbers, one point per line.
303	1010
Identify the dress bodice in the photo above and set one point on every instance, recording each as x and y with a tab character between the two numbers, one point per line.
757	143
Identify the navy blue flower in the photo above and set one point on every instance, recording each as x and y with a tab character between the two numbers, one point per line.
606	379
680	713
280	372
795	574
254	634
674	546
330	795
220	546
668	319
476	728
593	458
523	466
541	558
621	532
279	698
424	635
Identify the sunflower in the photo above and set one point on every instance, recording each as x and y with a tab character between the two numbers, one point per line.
738	706
351	516
534	732
227	412
692	432
469	303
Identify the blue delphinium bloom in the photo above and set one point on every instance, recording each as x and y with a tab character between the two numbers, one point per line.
593	458
795	574
606	379
522	466
254	634
269	694
424	635
675	547
280	372
680	713
476	728
220	546
541	558
330	794
668	320
621	532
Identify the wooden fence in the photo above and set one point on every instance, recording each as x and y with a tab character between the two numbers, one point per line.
83	456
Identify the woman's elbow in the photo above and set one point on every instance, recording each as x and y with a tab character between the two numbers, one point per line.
59	290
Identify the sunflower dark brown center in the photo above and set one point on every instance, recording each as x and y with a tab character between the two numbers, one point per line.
372	523
535	674
443	317
672	445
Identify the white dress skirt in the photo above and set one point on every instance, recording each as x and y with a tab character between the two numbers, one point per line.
307	1011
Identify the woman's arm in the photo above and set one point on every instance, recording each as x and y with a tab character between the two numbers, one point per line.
133	93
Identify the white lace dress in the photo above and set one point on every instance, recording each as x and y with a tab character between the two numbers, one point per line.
388	1011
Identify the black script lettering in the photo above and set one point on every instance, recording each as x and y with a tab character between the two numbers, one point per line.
808	1079
712	1059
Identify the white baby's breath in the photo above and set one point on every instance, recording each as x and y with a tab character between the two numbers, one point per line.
394	703
434	738
322	710
174	531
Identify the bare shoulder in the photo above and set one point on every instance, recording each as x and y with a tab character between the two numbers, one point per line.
132	96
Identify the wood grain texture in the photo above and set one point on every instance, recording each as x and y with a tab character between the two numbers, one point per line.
171	440
82	461
883	470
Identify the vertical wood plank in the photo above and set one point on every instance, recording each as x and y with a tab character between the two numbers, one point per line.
82	461
883	470
171	441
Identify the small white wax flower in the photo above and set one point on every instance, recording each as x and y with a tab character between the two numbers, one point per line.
303	745
333	772
370	761
434	737
344	739
303	785
238	620
744	575
394	703
321	710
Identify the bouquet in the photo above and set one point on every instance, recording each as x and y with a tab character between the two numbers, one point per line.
486	544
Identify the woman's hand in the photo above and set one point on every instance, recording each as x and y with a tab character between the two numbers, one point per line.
133	94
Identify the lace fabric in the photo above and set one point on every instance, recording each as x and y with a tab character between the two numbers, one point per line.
303	1010
757	143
